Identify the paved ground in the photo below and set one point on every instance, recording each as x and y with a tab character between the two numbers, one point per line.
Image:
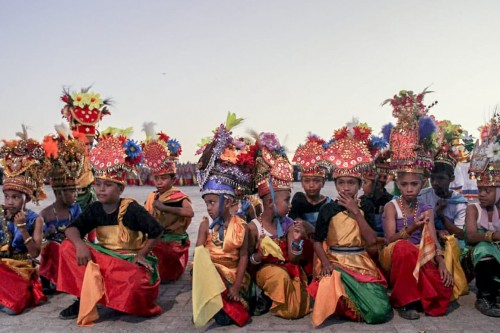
175	299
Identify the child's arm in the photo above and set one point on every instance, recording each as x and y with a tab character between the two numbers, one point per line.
202	232
234	291
296	233
185	211
472	236
82	252
142	253
352	206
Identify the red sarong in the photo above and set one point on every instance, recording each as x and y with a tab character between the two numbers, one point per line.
49	265
18	294
429	289
127	285
172	259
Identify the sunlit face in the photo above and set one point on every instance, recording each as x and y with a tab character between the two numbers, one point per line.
212	202
347	185
14	202
107	191
164	182
487	195
440	182
410	185
312	185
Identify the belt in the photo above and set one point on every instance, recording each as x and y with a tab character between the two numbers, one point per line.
347	249
15	256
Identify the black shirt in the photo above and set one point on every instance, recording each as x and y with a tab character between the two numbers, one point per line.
136	218
300	206
331	209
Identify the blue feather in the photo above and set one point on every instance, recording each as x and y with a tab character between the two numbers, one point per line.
386	131
427	127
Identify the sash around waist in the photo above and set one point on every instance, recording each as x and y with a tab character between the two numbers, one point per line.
347	249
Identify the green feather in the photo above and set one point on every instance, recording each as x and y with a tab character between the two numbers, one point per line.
232	121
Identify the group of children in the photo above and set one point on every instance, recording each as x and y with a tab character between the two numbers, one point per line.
254	255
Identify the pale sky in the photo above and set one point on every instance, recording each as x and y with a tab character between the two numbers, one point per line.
287	66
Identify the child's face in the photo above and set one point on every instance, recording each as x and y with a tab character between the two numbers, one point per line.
347	185
163	182
107	191
67	196
487	195
282	201
14	202
440	182
212	202
312	185
367	186
409	184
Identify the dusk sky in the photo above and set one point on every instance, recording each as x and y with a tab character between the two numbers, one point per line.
289	67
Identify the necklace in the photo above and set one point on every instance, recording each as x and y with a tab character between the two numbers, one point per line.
5	228
405	218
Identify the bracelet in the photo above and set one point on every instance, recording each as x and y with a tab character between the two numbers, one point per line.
488	236
253	261
439	252
20	225
297	246
27	240
404	234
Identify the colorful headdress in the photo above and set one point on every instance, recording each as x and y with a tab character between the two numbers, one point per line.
115	156
347	152
455	146
66	152
414	139
485	160
24	166
309	157
378	148
273	170
161	152
84	110
226	163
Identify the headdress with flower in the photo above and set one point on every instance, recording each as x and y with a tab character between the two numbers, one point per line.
309	157
378	146
226	164
84	110
347	153
115	155
25	166
161	152
273	170
454	147
414	140
66	152
485	159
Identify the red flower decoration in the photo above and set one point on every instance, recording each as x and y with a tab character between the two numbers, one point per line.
340	133
162	136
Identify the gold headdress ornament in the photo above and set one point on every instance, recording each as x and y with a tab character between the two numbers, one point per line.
25	166
485	159
309	157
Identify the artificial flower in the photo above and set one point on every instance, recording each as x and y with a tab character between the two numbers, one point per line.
494	151
132	148
174	147
94	101
229	155
269	140
79	99
162	136
341	133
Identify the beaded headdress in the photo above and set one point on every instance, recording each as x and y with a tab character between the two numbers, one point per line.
454	146
25	166
273	170
115	156
161	152
485	159
84	110
226	163
66	152
309	157
414	139
347	152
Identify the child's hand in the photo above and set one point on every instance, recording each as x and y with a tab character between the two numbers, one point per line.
234	293
327	269
350	203
299	230
157	204
83	255
20	219
141	261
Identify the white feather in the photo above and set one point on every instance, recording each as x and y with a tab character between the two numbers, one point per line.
63	130
149	128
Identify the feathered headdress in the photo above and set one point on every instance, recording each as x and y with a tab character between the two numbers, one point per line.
455	146
414	139
160	151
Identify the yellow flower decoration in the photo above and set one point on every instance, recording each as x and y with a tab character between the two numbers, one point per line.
79	99
94	101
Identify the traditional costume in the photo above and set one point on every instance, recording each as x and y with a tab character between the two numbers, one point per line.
414	275
356	289
160	155
485	255
83	111
112	279
224	169
25	166
309	158
281	280
67	155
